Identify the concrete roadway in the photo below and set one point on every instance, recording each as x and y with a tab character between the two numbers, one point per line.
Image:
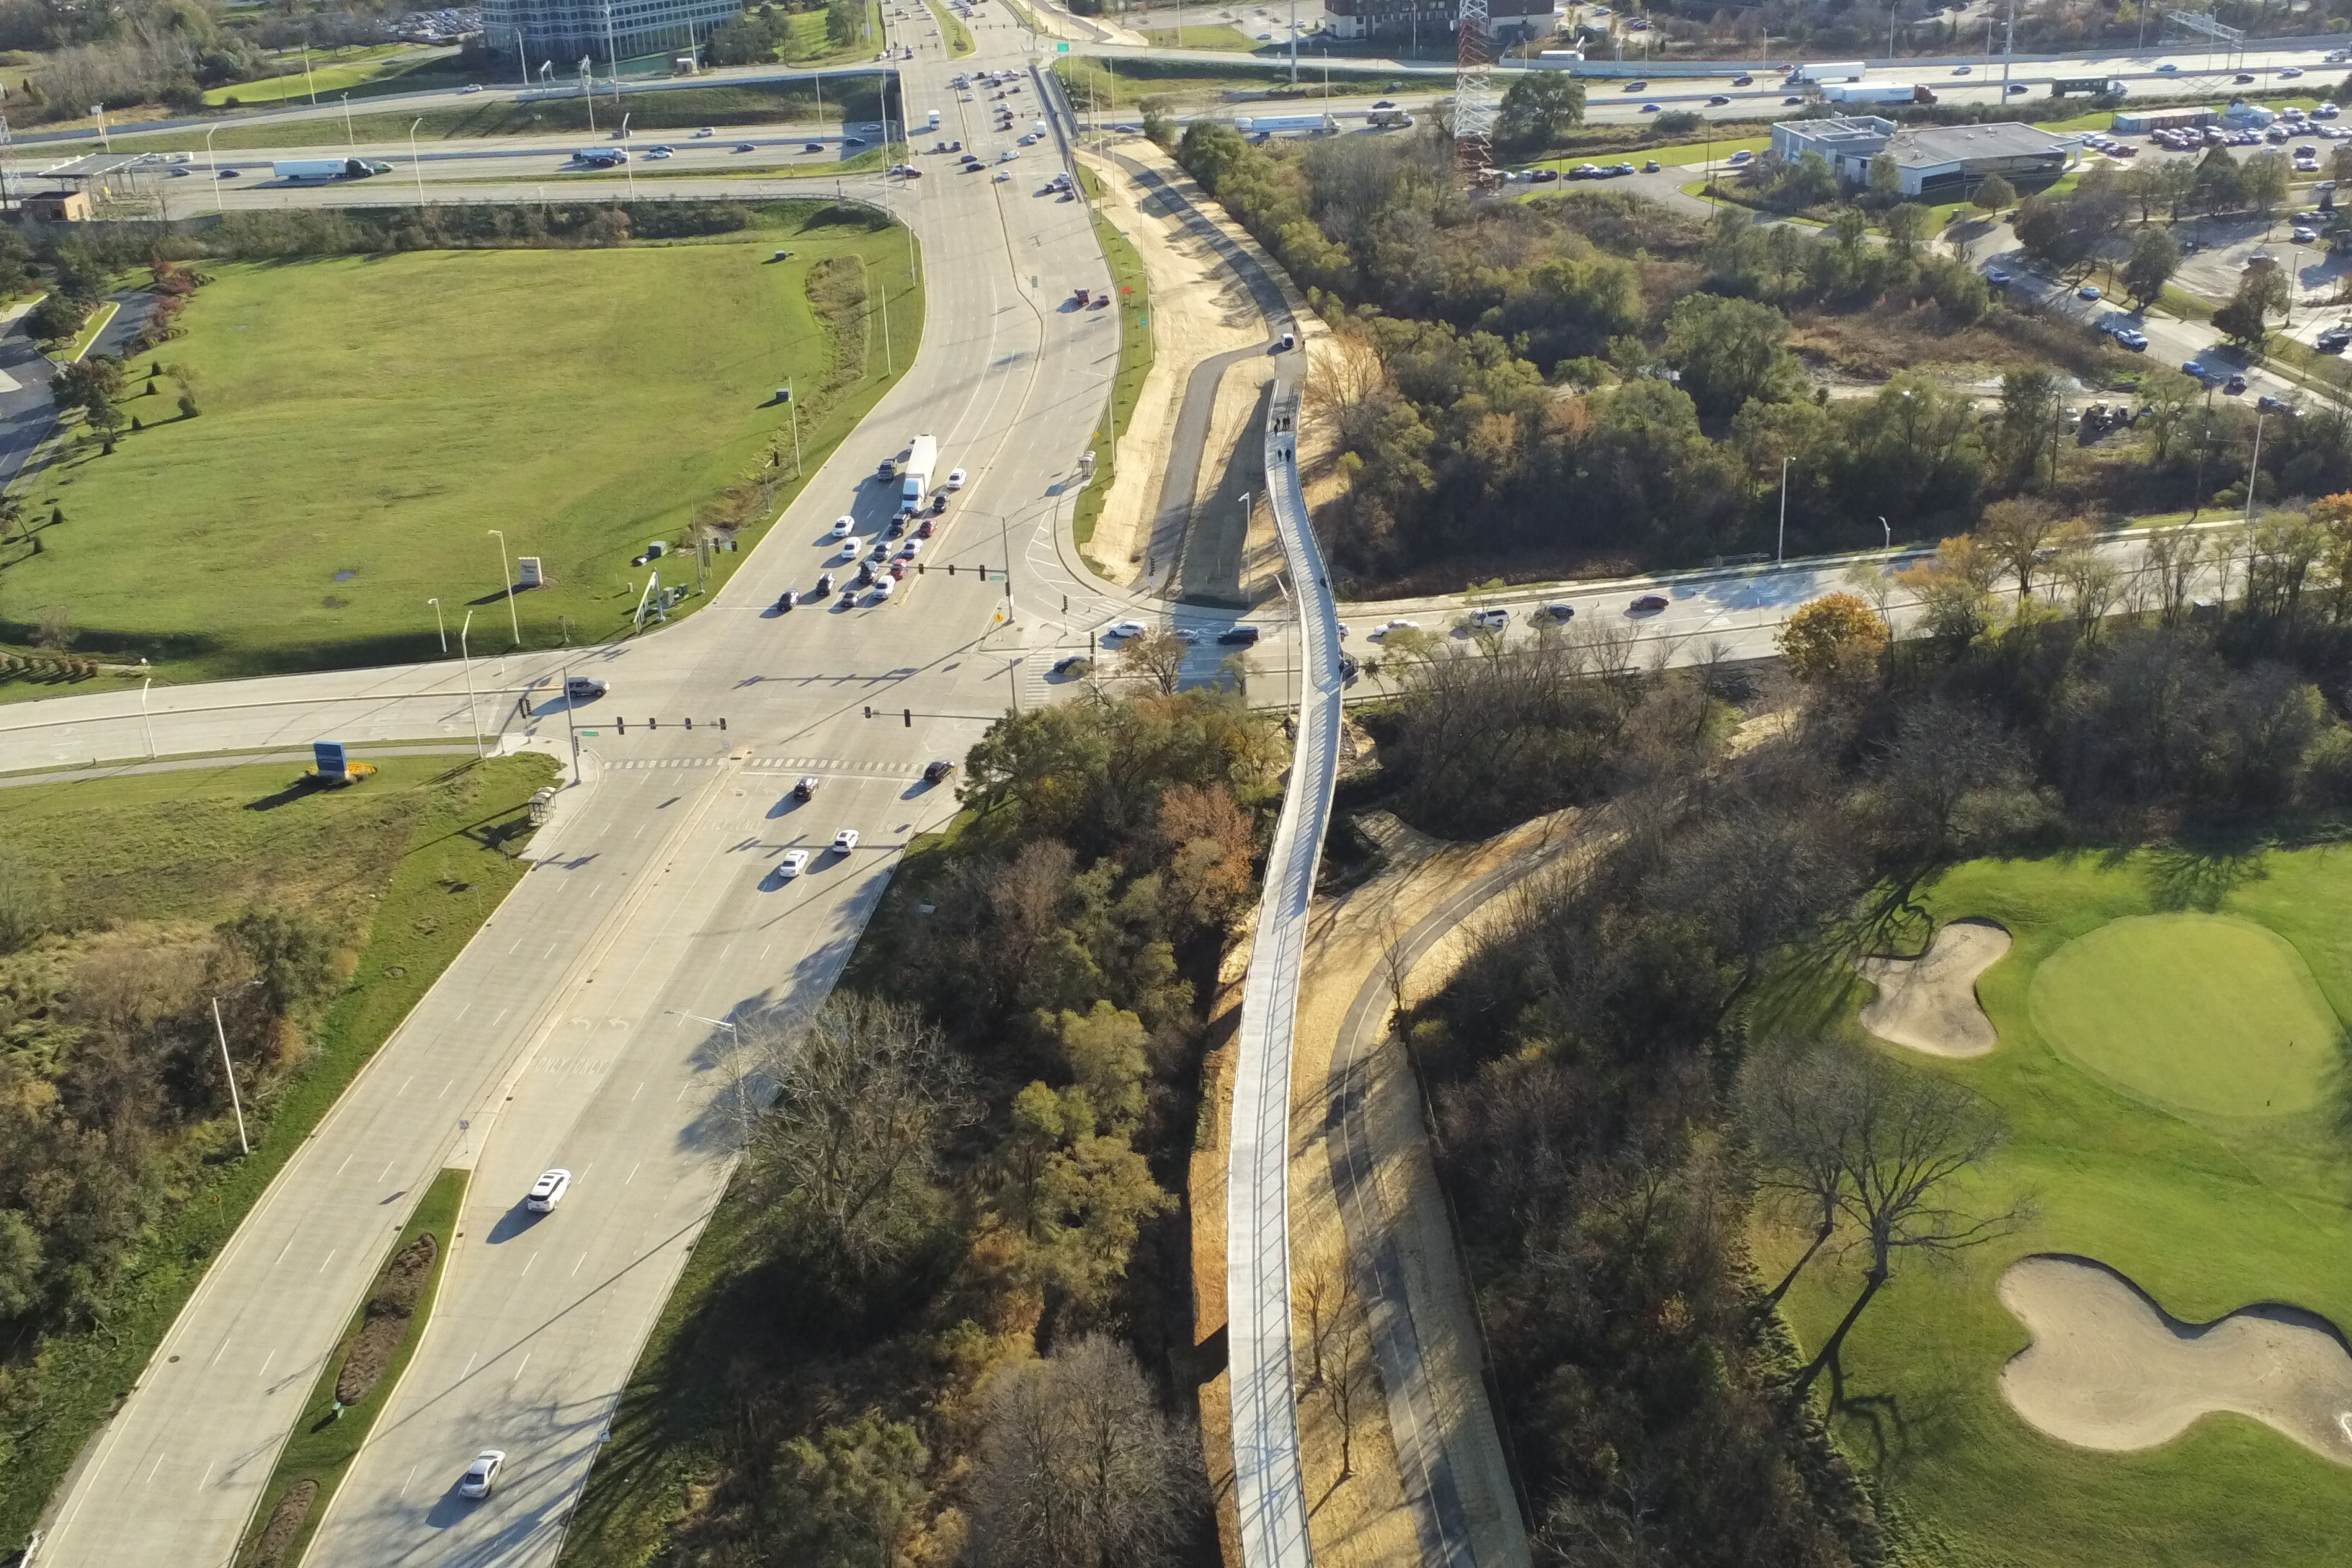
561	1035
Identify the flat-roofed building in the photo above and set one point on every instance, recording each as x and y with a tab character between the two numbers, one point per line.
1932	163
1422	21
559	33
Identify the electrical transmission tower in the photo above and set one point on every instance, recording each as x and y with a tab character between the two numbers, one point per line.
1475	102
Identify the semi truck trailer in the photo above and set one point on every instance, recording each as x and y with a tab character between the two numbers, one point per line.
1827	70
1877	92
328	168
922	456
1283	124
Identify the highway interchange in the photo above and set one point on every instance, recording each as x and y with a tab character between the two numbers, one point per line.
578	1027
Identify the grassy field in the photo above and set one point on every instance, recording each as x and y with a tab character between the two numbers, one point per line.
2143	1011
412	861
370	69
1134	361
747	103
326	1439
365	419
1230	40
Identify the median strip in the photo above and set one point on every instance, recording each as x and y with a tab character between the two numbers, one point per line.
356	1384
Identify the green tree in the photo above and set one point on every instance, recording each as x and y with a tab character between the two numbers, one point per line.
2154	259
1993	194
846	1499
1729	351
1886	178
1907	224
1537	108
2244	319
28	904
1104	1050
844	22
2170	400
2264	177
57	317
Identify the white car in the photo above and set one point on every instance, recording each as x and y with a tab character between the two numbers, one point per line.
706	131
657	153
2290	73
1400	626
482	1474
1003	178
956	477
845	841
883	587
912	548
471	86
548	1190
844	526
2166	69
1007	155
794	862
1125	629
1187	635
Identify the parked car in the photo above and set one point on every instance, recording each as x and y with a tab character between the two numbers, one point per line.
2335	340
548	1190
2269	405
2087	292
2233	386
1997	277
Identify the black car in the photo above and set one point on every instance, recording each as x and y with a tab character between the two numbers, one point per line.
787	600
2335	340
1244	636
824	586
1717	101
2233	386
1743	79
1648	605
812	146
935	772
1384	103
1076	664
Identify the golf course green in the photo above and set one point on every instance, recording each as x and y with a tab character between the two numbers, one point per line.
366	421
2171	1074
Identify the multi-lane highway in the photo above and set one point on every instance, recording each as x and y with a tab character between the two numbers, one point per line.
573	1031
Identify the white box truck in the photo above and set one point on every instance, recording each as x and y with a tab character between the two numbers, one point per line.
1827	70
327	168
922	456
1285	124
932	120
1877	92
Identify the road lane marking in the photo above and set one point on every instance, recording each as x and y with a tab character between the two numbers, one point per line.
404	1086
527	1263
411	1476
387	1171
575	1268
265	1363
633	1173
347	1160
468	1367
208	1477
156	1466
638	1090
282	1252
463	1011
518	1366
223	1350
446	1089
324	1261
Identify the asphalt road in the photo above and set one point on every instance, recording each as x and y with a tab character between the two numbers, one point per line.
567	1032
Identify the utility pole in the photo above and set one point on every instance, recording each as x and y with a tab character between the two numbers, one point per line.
1780	551
505	575
466	657
2254	468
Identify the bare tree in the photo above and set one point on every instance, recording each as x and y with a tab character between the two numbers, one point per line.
2015	531
1078	1467
1156	660
2172	556
2092	579
1898	1139
1339	1351
1790	1107
866	1096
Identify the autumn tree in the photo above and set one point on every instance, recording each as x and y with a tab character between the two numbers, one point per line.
1837	638
1155	661
1954	587
846	1497
2014	533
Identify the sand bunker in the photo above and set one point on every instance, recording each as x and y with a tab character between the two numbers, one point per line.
2109	1369
1929	1003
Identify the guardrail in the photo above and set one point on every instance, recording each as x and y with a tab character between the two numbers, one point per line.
1268	1486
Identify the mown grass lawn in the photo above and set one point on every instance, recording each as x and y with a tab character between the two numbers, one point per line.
410	862
377	67
366	421
2146	1161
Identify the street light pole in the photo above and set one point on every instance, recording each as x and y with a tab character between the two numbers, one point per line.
439	624
311	83
1780	551
349	141
211	164
237	1102
464	655
144	681
793	404
415	164
2254	466
505	575
632	168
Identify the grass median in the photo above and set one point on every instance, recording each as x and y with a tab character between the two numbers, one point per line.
409	863
1134	296
951	29
359	71
357	1381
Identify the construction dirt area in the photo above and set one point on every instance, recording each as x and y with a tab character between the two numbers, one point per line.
1202	546
1438	1439
2109	1369
1929	1003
